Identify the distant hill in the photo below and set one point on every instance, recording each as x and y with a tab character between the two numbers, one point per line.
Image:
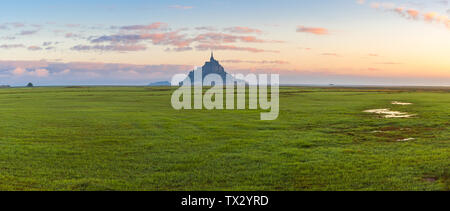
160	83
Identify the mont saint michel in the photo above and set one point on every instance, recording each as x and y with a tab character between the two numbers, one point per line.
210	67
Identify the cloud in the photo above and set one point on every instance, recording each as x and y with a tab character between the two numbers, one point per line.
169	38
19	71
153	26
312	30
8	38
217	38
182	49
181	7
206	47
133	38
34	48
36	73
237	61
181	41
72	25
6	46
414	14
430	16
17	25
206	28
242	30
137	37
382	5
40	73
71	35
119	38
114	47
28	32
375	5
62	73
360	1
399	10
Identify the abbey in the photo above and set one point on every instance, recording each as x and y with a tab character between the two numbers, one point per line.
213	74
211	67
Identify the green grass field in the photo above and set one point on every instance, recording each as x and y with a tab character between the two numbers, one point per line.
130	138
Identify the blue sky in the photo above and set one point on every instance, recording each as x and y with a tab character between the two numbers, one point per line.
395	42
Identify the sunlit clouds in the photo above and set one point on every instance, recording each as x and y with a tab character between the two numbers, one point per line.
313	30
407	11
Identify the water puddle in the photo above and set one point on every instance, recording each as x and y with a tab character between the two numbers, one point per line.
406	139
400	103
377	131
390	114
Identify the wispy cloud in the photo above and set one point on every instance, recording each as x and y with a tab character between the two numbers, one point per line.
153	26
237	61
34	48
181	49
23	72
8	38
17	25
10	46
28	32
72	25
313	30
177	41
242	30
206	47
206	28
228	38
72	35
115	47
412	13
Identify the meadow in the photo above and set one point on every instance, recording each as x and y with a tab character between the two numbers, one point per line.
130	138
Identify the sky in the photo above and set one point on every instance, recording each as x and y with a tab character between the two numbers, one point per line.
136	42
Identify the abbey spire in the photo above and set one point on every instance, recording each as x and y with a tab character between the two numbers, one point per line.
212	56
